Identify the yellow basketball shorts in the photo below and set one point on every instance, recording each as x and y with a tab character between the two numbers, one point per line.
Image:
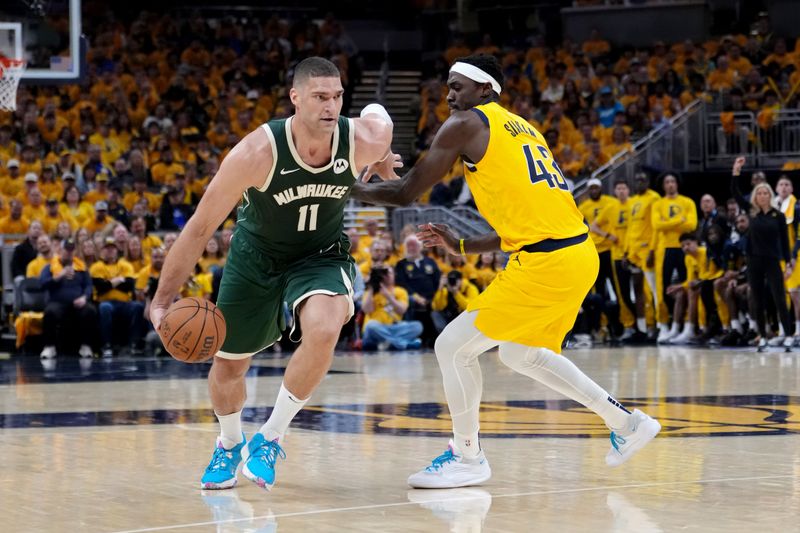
638	257
536	299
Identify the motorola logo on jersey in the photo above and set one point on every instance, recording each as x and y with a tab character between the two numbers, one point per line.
340	165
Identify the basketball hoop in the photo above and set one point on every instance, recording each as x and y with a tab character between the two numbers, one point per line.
10	72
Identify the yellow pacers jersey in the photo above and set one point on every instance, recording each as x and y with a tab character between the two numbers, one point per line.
640	229
615	219
671	217
518	186
591	209
701	267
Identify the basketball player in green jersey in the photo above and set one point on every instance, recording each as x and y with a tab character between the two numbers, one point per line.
293	177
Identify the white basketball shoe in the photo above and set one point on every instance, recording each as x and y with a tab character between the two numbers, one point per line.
451	470
625	443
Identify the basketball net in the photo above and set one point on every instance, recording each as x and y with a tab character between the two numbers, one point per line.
10	73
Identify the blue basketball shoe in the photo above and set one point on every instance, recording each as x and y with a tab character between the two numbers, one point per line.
260	466
221	471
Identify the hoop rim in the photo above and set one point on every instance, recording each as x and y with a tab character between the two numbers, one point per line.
7	62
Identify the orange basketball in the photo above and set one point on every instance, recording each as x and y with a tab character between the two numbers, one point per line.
193	330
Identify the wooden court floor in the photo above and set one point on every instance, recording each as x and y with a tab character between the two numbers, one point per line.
119	445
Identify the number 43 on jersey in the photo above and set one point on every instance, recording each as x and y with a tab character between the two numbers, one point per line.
539	172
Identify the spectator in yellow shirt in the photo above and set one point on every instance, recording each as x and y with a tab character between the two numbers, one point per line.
54	216
384	305
139	193
35	209
73	206
30	183
451	299
723	77
114	287
100	192
101	219
165	170
14	223
45	248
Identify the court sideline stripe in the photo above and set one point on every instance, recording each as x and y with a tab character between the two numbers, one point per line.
514	495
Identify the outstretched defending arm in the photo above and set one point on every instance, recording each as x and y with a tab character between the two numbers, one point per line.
432	235
247	165
448	145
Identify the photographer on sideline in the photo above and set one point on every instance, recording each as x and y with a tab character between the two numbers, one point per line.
384	305
451	299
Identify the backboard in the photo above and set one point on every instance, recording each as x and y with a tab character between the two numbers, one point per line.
47	35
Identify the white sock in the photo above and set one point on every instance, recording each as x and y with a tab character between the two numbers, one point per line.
736	325
457	349
561	375
675	328
797	327
641	324
753	324
230	429
781	331
689	328
663	327
286	407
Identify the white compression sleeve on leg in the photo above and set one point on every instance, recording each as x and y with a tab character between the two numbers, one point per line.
561	375
457	350
650	278
286	407
377	109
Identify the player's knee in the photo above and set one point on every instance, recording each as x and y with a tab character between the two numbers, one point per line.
230	369
518	357
447	345
322	333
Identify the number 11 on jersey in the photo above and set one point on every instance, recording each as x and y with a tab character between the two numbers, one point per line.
312	220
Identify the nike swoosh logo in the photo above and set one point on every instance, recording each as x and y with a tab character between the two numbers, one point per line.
284	171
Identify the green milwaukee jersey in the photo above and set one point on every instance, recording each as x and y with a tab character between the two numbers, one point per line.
300	209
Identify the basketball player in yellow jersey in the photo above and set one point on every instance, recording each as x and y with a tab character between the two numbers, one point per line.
531	305
612	225
671	216
591	208
639	245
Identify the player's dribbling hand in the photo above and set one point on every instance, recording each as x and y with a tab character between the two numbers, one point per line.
157	315
432	235
384	169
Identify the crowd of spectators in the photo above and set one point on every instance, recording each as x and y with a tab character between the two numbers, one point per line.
98	179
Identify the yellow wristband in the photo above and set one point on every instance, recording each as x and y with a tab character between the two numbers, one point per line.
461	245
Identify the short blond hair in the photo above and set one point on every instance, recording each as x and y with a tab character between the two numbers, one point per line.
755	208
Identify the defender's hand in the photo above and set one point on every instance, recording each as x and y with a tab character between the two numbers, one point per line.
433	235
384	169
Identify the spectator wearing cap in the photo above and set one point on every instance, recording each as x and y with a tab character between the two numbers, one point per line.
45	248
34	210
69	314
101	219
74	206
180	184
140	193
607	107
50	125
13	183
25	251
68	179
15	223
164	171
113	280
175	212
54	216
100	190
31	182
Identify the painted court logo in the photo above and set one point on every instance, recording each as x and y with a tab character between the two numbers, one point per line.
340	165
